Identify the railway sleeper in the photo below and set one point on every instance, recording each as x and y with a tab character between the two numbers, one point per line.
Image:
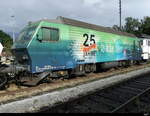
104	101
109	104
82	109
99	100
140	84
136	87
128	88
145	79
82	106
127	91
119	88
123	97
93	107
127	94
144	83
110	97
118	95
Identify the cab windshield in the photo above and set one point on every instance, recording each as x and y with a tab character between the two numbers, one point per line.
26	34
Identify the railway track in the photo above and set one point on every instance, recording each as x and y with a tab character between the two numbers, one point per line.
127	97
13	93
61	91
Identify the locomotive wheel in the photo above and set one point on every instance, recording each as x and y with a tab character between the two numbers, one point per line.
131	62
87	68
93	67
124	64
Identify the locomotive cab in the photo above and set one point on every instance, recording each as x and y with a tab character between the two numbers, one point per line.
37	47
20	46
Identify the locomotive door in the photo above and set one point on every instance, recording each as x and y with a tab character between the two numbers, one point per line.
50	49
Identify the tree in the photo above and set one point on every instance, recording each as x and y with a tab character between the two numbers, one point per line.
132	26
5	39
145	25
116	27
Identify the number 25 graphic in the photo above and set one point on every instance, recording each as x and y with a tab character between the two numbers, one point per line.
91	40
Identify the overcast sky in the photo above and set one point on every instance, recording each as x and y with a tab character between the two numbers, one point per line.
100	12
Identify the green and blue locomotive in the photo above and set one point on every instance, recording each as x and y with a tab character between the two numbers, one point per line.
65	46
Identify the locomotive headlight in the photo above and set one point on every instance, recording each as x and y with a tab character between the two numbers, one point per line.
25	57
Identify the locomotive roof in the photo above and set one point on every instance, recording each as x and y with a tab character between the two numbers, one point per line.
73	22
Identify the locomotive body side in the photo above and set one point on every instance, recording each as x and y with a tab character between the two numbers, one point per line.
92	46
73	45
52	52
63	47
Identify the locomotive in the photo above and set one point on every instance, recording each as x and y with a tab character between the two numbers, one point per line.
62	47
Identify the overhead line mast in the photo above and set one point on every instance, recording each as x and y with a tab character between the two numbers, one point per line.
120	13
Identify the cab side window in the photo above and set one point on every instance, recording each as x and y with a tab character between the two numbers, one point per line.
50	34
